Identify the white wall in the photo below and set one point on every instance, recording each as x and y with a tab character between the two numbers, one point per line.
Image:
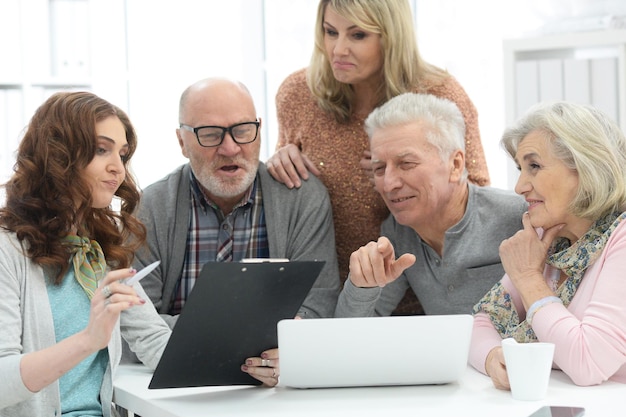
465	37
289	43
173	45
169	45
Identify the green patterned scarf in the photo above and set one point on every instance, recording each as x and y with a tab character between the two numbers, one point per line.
571	259
88	261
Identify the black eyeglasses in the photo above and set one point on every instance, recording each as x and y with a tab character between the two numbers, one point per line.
211	136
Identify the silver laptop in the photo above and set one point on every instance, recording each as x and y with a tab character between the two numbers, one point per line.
373	351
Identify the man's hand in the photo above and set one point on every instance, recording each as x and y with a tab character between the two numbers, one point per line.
375	264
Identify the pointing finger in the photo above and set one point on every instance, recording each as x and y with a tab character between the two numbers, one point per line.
385	248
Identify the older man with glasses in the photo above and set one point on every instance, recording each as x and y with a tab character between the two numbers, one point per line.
224	206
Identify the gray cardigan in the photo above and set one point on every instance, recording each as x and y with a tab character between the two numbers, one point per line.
451	284
26	326
299	227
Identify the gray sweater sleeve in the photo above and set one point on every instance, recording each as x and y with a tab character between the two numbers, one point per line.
300	228
164	210
145	331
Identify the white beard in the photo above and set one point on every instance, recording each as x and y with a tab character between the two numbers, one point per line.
229	188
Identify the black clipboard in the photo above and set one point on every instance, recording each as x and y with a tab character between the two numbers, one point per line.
230	315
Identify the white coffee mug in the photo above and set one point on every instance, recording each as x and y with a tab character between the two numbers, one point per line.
528	366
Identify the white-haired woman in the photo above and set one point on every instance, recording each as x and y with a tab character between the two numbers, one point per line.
564	279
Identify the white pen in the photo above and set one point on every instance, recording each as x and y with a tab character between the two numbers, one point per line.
142	273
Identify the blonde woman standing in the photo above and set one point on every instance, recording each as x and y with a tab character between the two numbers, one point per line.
365	53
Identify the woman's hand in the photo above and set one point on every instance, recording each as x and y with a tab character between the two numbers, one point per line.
41	368
288	165
496	369
524	254
110	299
375	264
265	368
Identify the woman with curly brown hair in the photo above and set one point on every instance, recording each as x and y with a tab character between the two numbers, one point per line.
64	256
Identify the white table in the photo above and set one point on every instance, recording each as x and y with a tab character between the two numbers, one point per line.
473	395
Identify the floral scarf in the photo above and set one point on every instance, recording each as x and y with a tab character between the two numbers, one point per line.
88	261
562	255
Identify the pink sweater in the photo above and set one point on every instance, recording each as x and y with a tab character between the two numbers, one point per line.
590	334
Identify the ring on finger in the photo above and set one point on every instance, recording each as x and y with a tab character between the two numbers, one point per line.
106	291
265	362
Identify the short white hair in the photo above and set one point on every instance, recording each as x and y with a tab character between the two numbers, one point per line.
446	126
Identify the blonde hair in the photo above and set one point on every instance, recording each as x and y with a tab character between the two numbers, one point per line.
586	141
404	70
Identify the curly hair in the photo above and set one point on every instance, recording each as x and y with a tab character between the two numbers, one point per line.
404	70
47	196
